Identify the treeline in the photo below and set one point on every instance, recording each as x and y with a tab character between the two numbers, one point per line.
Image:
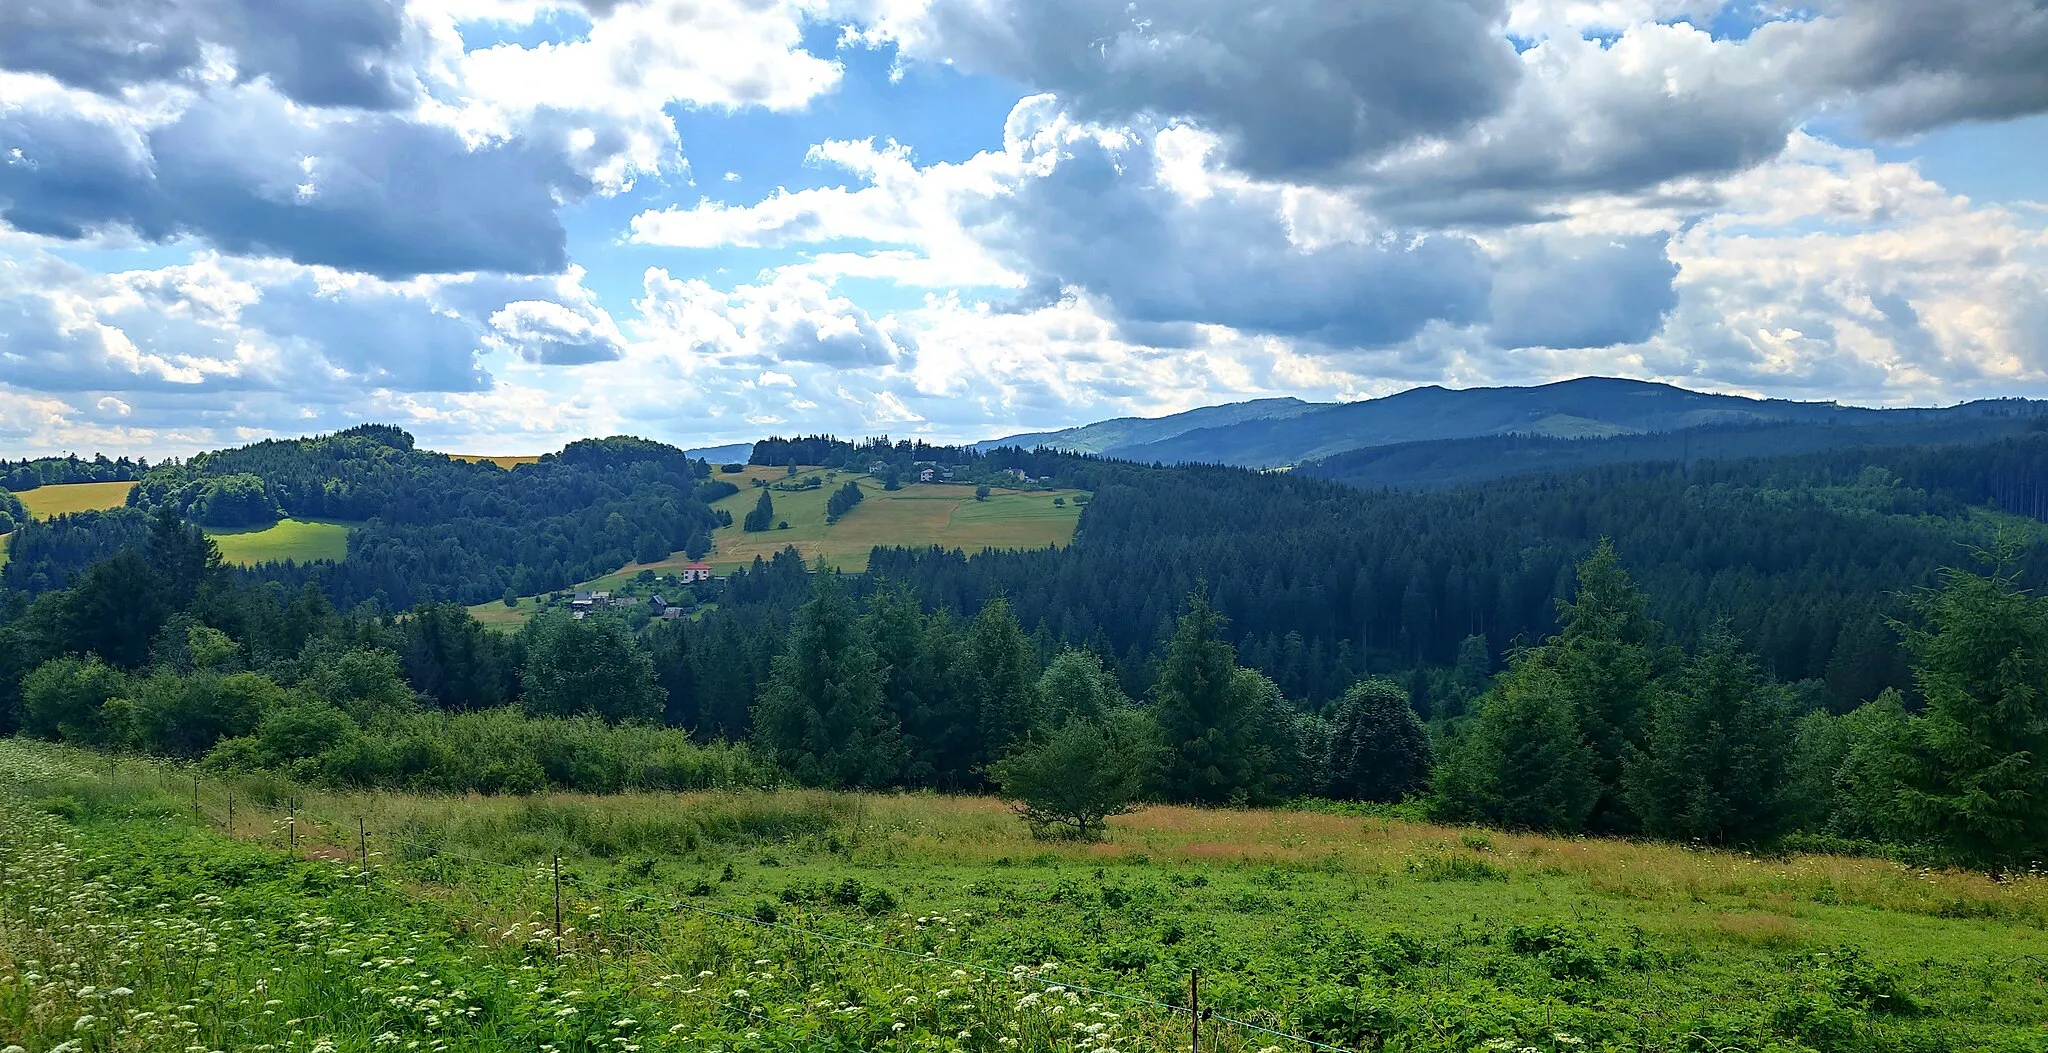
160	649
12	512
1803	559
29	473
829	452
1607	727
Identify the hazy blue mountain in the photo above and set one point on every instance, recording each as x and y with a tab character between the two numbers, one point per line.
1109	435
736	453
1592	407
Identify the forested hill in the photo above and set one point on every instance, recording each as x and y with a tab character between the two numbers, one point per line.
1443	463
1262	435
429	527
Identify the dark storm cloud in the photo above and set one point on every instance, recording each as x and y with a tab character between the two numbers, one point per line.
379	195
316	52
1298	89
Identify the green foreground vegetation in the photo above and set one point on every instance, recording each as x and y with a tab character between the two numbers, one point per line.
717	921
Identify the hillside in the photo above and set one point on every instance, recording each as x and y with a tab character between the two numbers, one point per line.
1254	435
1110	436
1440	463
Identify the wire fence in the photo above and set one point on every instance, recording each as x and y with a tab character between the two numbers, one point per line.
309	834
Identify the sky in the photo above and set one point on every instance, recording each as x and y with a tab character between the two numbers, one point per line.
507	224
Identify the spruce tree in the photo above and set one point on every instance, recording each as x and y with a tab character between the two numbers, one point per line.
1713	764
1522	763
1609	658
1212	752
822	714
1974	772
1002	673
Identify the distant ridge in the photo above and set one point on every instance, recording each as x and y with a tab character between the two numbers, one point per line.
1108	435
1277	433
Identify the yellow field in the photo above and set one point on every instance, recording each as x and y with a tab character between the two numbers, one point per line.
505	461
299	539
65	498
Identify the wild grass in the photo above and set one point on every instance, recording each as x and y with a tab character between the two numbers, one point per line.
1364	931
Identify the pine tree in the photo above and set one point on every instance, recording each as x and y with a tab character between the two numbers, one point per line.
1379	750
1713	765
822	714
763	515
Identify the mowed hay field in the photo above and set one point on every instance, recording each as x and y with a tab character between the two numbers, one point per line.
65	498
920	514
726	920
502	461
294	539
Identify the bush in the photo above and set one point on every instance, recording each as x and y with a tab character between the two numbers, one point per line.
1081	773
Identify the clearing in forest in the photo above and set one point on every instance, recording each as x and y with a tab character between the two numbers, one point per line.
507	461
65	498
919	514
296	539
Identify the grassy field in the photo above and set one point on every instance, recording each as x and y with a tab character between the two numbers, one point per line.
506	461
928	514
933	514
795	920
299	539
46	501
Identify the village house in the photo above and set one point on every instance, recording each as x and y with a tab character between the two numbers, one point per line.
927	474
697	571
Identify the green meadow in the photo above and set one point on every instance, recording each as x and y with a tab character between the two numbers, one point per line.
296	539
755	920
65	498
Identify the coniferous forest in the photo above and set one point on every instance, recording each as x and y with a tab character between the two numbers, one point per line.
1838	647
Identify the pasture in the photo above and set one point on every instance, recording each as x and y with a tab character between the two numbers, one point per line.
295	539
917	515
940	514
792	920
65	498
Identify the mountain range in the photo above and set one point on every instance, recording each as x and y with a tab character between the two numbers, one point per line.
1506	430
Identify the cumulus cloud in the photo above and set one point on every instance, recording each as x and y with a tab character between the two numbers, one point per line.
794	318
547	332
1586	292
356	53
256	176
1295	89
1915	65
